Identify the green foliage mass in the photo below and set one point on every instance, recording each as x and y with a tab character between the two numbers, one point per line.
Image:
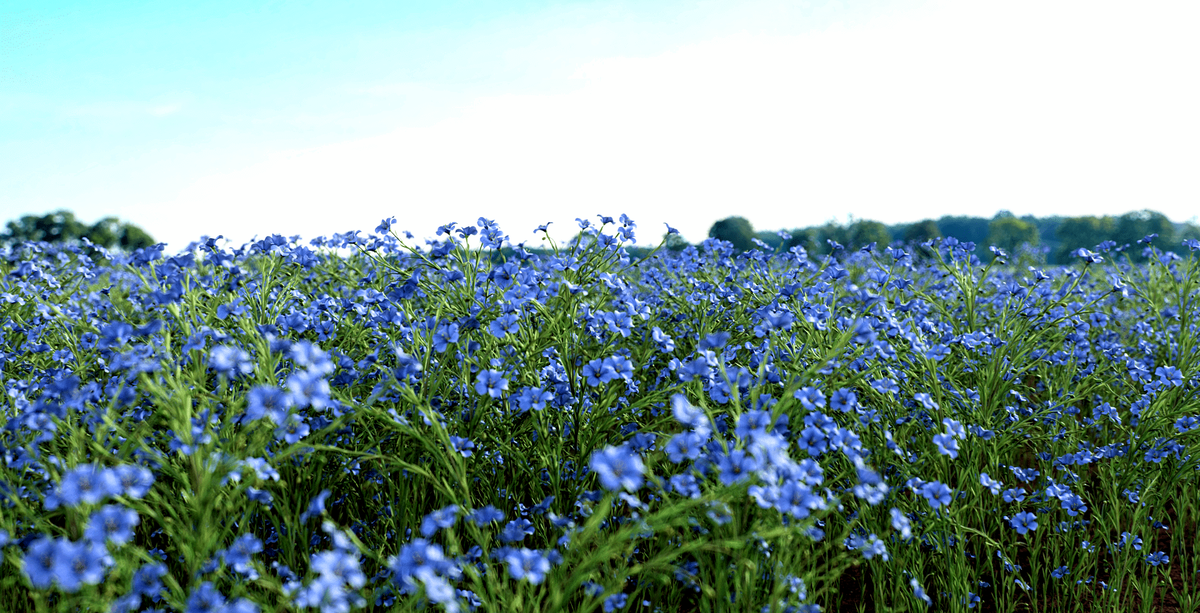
61	226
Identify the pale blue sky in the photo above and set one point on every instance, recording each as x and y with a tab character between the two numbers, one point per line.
251	118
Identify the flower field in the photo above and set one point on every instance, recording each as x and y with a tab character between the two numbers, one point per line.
468	426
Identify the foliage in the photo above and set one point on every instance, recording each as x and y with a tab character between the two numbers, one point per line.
735	230
1009	233
1087	232
1134	226
863	232
922	231
62	227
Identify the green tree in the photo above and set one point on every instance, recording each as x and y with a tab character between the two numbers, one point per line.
134	238
1132	227
62	227
1009	233
864	232
675	242
770	238
106	232
922	231
1082	233
59	226
831	232
807	238
736	230
965	229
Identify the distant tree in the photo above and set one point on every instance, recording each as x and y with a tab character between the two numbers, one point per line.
1076	233
864	232
62	227
772	239
922	231
1009	233
1132	227
1047	228
831	232
806	238
57	227
106	232
134	238
965	229
1188	231
736	230
675	242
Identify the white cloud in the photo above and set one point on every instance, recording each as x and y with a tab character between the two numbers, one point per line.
1038	107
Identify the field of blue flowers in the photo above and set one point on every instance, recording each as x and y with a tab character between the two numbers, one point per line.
469	426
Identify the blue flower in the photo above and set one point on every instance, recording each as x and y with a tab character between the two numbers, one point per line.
266	401
900	523
230	361
462	445
310	356
438	590
446	335
926	401
810	398
491	383
293	429
1024	522
618	467
486	515
316	506
685	485
614	602
111	523
38	564
919	591
308	388
339	567
1014	494
946	445
597	373
206	599
441	518
516	530
844	400
89	484
134	481
992	485
417	555
385	226
753	423
684	445
690	416
504	325
736	466
1158	557
241	552
937	493
954	427
527	564
77	564
1169	375
147	580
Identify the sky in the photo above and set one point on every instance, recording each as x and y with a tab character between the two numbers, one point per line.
249	118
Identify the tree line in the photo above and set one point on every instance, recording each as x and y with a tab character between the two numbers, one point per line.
1049	240
62	227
